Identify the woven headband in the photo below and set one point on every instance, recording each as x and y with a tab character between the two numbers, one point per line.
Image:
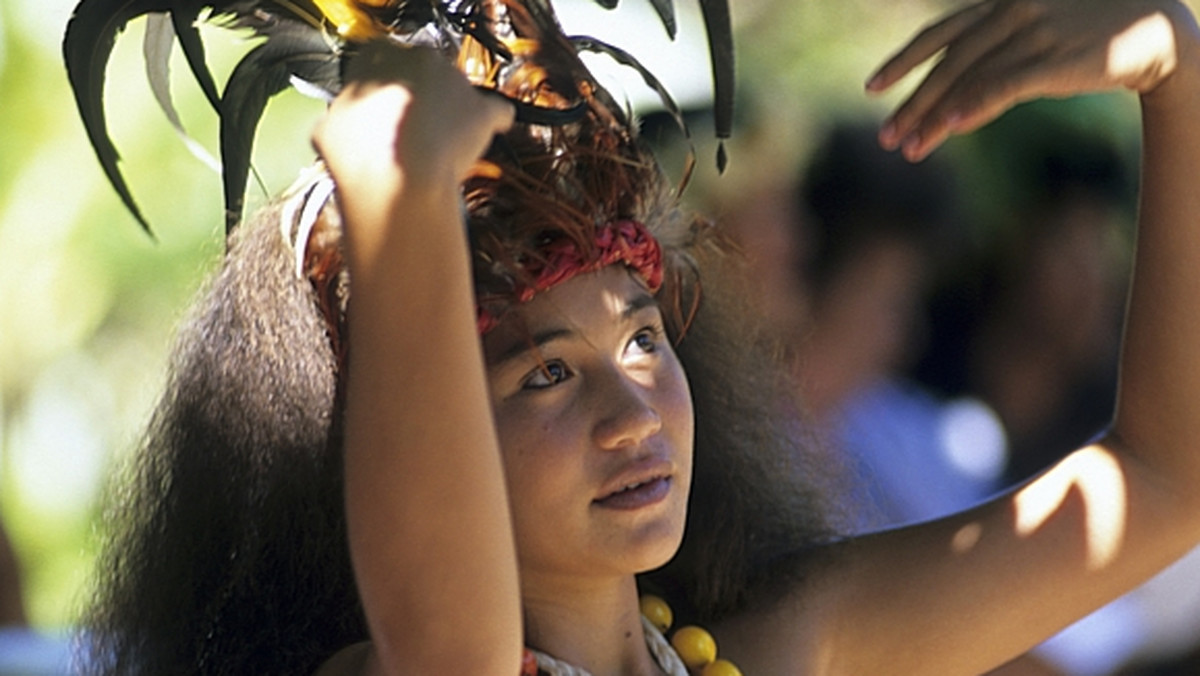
624	241
628	242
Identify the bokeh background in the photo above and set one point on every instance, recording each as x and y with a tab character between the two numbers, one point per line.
88	300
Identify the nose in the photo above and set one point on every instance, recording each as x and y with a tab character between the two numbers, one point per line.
627	412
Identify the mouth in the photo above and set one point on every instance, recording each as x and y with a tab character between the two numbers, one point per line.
636	494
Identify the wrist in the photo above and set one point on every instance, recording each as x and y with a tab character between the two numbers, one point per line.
1180	73
413	225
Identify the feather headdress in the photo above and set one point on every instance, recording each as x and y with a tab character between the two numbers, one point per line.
509	46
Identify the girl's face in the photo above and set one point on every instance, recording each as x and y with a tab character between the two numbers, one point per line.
595	425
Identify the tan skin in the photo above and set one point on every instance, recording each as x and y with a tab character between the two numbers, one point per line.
415	607
603	404
446	584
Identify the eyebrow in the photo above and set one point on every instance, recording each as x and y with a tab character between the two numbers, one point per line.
638	303
633	305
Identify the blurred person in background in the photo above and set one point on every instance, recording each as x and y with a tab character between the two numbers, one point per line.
865	236
856	244
1031	325
1019	346
877	232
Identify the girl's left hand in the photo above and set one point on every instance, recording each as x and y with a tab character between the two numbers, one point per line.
998	53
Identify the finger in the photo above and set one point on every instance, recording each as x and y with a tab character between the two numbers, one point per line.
502	114
927	43
1032	62
500	109
495	116
978	100
996	35
1010	32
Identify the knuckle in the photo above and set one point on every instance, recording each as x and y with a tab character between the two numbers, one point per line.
1041	37
969	95
1023	11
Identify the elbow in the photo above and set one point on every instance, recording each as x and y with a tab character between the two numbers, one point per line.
1167	463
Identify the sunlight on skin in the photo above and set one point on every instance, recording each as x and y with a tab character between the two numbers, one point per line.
1097	477
614	307
1138	45
966	537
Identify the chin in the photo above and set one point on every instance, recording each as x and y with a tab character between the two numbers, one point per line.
645	542
657	545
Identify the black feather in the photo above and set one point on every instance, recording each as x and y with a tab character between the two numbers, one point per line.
87	46
666	12
297	47
184	20
719	26
476	25
664	8
527	113
589	44
293	49
720	47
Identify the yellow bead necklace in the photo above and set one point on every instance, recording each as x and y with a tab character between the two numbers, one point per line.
695	650
695	646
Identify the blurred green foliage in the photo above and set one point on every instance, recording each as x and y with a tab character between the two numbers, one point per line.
88	301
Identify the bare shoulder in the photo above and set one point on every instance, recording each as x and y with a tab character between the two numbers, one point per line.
792	633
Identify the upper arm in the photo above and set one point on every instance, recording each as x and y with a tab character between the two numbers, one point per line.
967	593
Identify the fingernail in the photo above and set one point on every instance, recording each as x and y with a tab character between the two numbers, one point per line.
911	145
887	135
874	83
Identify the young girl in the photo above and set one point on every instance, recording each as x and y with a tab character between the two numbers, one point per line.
518	429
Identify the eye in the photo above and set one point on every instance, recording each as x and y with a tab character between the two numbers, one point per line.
547	375
647	340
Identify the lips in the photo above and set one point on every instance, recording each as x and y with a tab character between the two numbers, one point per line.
644	483
640	495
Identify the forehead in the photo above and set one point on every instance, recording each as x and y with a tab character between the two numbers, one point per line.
586	304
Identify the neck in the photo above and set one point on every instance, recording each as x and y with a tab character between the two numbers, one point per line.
596	625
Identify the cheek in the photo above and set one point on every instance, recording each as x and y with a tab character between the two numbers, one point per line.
543	482
677	411
534	448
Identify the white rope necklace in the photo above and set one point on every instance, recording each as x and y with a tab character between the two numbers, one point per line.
666	657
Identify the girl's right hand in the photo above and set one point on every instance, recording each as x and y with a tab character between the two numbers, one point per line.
406	126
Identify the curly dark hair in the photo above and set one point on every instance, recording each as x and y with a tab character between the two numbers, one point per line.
226	549
228	552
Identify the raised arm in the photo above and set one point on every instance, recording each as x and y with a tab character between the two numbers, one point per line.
428	517
965	594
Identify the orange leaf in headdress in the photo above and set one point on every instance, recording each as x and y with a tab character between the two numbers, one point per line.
348	18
